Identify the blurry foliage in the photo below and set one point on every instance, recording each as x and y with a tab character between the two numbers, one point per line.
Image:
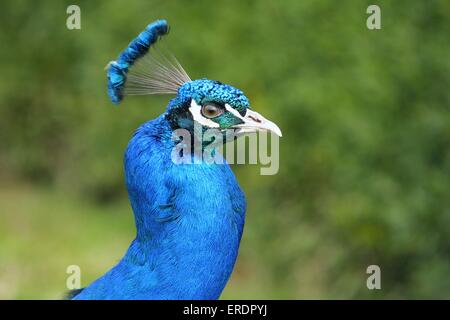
365	157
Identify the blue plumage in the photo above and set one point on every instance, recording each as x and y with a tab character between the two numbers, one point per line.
205	90
117	70
189	217
189	221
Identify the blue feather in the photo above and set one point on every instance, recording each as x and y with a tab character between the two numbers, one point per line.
189	221
117	70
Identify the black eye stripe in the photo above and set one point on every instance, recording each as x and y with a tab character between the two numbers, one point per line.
242	112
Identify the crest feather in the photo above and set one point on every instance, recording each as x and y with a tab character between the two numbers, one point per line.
157	72
138	71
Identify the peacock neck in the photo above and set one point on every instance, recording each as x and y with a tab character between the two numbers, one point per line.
189	218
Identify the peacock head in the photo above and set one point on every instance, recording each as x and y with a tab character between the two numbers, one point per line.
208	103
215	105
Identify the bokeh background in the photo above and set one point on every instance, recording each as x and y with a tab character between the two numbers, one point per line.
364	161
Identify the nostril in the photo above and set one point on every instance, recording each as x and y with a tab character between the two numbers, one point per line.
254	119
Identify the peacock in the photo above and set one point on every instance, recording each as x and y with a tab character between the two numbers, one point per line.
189	215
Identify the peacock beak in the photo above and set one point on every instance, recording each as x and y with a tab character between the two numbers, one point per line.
253	122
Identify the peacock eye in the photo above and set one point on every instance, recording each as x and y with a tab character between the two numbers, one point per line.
211	110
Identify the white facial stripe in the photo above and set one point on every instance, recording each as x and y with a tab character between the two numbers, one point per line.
196	112
234	111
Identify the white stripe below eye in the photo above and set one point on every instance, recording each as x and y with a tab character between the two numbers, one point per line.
196	112
234	111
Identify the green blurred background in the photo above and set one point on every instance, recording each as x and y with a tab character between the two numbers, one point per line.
364	161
